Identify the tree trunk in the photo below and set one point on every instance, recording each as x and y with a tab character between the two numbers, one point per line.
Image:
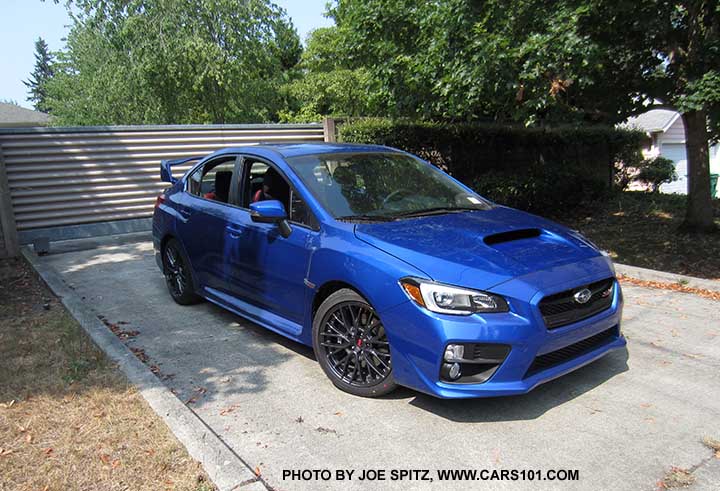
699	214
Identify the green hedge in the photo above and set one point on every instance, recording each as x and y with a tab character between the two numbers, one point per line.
536	169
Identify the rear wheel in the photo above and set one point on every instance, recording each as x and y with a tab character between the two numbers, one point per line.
178	275
351	345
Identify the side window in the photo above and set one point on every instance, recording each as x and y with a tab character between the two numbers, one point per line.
263	182
300	213
212	181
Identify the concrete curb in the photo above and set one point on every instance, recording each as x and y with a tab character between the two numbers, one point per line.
225	468
663	277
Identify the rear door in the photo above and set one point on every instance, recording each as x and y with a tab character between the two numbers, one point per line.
208	213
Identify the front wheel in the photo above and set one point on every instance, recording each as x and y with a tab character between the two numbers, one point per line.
351	345
178	275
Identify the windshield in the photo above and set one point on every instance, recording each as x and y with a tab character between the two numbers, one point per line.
354	185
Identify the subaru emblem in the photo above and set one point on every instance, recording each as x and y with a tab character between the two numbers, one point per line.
582	296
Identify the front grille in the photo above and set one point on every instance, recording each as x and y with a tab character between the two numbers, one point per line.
562	355
562	309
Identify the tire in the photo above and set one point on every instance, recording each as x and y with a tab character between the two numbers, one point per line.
178	275
351	345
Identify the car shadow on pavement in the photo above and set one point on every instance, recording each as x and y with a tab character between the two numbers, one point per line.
533	404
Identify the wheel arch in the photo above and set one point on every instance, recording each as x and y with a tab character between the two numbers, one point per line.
330	287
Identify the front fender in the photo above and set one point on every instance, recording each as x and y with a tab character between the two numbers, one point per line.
340	257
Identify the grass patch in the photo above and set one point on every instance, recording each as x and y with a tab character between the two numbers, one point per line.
641	229
68	418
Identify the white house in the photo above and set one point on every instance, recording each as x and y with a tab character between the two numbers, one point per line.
667	136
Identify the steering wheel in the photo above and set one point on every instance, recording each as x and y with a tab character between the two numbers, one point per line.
393	196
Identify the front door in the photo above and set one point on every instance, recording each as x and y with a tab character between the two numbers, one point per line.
271	268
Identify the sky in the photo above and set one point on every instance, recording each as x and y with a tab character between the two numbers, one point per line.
23	21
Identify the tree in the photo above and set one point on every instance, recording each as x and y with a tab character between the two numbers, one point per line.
173	61
325	85
465	60
538	62
666	54
40	76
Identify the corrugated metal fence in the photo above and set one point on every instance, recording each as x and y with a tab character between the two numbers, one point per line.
64	177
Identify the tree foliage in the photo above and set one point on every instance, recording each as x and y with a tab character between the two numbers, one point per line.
41	74
467	60
665	53
173	61
541	62
325	85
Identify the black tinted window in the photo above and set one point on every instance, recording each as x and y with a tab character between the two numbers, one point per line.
380	184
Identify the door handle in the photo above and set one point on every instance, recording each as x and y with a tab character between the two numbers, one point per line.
234	233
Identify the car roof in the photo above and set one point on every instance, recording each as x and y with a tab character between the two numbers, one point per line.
300	149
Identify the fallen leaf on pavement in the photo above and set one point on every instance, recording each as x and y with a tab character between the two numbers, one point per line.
229	409
712	295
257	471
711	443
320	429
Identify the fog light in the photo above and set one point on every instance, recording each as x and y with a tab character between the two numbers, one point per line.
454	371
454	352
450	372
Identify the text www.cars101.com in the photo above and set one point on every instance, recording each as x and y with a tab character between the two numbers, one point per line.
431	476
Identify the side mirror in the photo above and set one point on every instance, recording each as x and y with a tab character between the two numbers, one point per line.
271	211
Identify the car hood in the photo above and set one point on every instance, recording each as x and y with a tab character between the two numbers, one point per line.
478	249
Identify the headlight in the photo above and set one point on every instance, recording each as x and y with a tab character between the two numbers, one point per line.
446	299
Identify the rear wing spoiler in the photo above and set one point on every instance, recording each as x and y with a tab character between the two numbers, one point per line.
166	166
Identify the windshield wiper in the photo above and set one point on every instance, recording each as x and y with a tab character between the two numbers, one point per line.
437	211
368	218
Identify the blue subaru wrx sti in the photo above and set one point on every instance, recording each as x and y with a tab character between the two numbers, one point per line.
394	272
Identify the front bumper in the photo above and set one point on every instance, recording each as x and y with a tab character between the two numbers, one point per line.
418	339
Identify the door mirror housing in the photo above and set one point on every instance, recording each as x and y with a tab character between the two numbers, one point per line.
271	211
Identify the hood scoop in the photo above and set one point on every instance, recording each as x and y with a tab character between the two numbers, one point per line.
512	235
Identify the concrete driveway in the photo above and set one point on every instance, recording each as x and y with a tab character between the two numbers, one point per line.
623	421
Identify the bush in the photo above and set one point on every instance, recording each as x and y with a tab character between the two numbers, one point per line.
656	171
538	169
544	189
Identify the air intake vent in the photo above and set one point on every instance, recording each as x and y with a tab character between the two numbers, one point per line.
525	233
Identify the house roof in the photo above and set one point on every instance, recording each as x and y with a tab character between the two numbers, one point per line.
653	121
12	115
